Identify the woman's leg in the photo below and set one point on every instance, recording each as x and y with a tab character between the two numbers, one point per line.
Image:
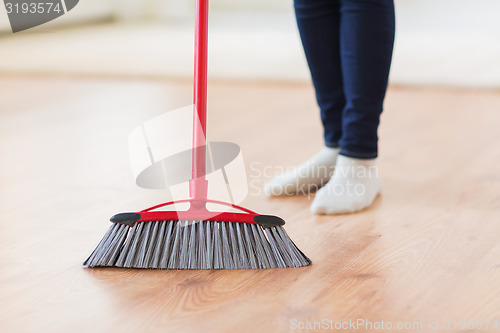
319	26
366	43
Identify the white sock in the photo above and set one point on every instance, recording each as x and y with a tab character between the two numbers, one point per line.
353	187
305	178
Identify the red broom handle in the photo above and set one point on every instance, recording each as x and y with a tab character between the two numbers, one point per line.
198	186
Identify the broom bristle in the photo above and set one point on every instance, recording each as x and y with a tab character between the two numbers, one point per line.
196	245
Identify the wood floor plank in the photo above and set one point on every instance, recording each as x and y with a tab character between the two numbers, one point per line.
427	250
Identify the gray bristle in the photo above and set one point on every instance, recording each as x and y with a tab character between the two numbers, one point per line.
227	245
196	245
217	247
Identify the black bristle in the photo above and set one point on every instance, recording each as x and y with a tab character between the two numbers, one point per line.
196	245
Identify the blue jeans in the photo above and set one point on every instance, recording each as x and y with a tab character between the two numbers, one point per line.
348	45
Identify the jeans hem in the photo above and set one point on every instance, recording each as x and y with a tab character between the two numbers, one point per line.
362	156
332	144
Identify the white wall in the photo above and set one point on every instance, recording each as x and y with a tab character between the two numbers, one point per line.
4	20
438	42
273	5
134	10
168	9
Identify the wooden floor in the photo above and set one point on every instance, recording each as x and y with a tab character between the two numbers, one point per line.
428	249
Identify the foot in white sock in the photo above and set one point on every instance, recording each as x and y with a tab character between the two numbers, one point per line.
353	187
305	178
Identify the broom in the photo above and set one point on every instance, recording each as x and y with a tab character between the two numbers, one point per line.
197	238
